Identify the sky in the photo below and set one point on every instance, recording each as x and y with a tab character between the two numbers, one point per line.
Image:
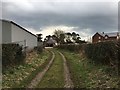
45	16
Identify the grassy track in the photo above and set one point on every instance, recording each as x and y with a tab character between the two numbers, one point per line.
54	78
87	75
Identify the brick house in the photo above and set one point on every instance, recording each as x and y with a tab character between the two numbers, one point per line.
101	37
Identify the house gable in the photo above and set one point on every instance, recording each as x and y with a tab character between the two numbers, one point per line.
97	38
100	37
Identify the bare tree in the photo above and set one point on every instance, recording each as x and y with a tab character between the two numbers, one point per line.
58	35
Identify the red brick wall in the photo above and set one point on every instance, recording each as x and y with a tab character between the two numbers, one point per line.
96	38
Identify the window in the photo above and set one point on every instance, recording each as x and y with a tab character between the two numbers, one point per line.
118	37
106	37
99	41
99	37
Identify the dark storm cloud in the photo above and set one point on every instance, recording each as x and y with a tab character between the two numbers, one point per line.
98	17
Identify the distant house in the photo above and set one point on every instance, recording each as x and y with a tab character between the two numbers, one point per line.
14	33
101	37
51	42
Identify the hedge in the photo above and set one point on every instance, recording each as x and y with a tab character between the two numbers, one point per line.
118	56
101	53
39	49
70	47
12	54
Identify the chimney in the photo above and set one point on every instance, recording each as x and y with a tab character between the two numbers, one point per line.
102	32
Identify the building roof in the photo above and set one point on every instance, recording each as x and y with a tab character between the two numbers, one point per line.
113	34
18	26
51	41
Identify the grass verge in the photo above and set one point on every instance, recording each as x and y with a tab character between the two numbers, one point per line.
85	74
54	78
20	76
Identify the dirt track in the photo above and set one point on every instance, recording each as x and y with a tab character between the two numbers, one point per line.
68	81
40	75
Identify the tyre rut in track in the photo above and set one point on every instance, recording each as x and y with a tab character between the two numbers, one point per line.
68	81
40	75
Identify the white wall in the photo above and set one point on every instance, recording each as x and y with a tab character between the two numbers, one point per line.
6	32
19	35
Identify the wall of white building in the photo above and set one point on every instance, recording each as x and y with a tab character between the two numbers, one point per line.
21	36
6	32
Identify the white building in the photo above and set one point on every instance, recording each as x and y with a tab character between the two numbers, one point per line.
14	33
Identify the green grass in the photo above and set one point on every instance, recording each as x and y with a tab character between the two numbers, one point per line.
54	78
85	74
20	76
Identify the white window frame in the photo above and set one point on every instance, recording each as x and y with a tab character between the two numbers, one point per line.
99	37
106	37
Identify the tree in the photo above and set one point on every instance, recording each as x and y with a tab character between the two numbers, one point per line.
74	36
57	35
58	32
48	37
54	37
78	40
62	37
68	37
39	37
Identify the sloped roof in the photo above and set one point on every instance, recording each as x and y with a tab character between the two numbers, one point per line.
18	26
113	34
51	41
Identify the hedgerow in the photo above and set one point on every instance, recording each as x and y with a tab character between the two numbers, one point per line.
11	55
103	52
118	45
70	47
106	53
39	49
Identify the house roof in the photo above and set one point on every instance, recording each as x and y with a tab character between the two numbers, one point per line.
51	41
113	34
18	26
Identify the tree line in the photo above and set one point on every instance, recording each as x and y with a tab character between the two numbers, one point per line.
62	38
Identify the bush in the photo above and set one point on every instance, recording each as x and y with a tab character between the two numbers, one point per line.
39	49
11	54
118	44
103	52
70	47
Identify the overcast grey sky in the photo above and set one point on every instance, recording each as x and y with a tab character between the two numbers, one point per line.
43	16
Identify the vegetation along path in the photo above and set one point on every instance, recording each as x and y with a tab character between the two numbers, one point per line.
20	76
45	70
39	76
